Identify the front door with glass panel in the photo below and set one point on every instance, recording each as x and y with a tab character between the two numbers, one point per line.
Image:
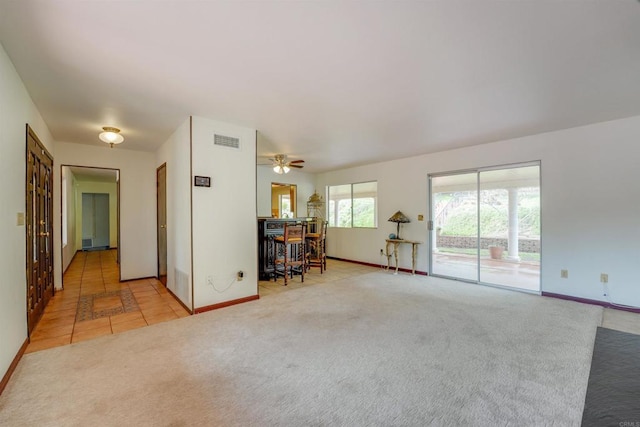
486	226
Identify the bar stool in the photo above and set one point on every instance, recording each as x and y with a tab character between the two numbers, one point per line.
316	244
292	245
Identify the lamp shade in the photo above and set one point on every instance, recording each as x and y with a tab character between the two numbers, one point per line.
111	135
399	217
280	169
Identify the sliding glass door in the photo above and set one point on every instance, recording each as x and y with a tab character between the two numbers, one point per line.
485	226
454	206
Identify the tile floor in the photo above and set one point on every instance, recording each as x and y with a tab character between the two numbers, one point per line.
95	303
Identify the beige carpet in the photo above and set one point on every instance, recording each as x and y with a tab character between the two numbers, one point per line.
377	349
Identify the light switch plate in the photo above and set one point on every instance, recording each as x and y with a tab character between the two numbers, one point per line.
20	218
420	217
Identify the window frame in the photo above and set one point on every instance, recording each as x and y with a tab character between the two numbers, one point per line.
351	199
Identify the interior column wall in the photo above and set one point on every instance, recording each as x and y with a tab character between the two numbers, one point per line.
176	153
225	237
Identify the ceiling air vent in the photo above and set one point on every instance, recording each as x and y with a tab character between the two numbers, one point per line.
226	141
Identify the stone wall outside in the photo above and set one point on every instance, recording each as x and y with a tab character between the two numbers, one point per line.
524	245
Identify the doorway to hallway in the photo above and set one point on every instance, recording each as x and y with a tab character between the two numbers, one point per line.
90	200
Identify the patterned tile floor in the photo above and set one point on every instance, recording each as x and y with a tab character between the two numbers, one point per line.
95	303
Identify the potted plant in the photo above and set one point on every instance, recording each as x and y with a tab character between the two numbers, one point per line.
495	251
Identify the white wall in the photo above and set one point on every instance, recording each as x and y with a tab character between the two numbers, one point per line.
266	176
175	152
137	203
16	109
224	216
69	250
589	206
110	188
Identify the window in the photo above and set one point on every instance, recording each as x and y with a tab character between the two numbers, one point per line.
285	206
340	206
353	205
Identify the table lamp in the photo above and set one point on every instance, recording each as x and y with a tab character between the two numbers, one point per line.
398	218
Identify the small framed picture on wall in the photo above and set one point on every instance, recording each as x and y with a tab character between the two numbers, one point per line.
202	181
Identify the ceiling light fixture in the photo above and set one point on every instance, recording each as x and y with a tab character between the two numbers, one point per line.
111	136
280	164
280	169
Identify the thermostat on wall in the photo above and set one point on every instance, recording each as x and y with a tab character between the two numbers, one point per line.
202	181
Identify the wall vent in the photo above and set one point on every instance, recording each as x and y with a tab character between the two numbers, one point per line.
87	243
226	141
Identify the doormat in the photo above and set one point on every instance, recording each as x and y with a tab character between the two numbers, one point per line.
613	392
105	304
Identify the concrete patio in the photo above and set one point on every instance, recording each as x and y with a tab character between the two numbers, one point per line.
523	275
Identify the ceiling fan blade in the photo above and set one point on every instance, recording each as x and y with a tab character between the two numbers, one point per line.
296	166
296	161
265	160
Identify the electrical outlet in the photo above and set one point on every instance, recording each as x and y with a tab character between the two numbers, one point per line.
381	252
564	274
604	278
420	217
240	276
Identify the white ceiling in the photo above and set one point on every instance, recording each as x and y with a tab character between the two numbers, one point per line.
336	83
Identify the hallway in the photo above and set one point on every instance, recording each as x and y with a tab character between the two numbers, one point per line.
95	303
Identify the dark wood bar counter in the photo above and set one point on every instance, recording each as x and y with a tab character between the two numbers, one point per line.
268	229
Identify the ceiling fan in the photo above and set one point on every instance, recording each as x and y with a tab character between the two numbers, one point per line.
281	165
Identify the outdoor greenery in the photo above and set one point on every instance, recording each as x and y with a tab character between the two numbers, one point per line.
363	212
344	213
285	206
462	216
353	205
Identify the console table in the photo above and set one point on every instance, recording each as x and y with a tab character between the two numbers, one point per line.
396	243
